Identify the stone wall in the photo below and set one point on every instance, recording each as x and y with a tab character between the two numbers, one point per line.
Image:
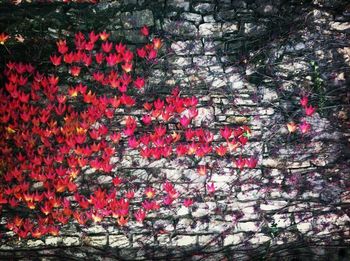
248	62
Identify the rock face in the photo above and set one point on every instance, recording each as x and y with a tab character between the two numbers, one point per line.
243	70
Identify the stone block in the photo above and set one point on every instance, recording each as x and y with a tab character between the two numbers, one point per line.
182	240
35	243
209	19
218	226
247	226
96	240
204	8
210	30
180	28
254	29
187	47
340	26
134	36
225	15
179	4
53	241
233	239
212	47
137	19
71	241
118	241
192	17
229	27
207	239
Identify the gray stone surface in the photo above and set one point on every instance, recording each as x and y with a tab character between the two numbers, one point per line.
180	28
137	19
210	30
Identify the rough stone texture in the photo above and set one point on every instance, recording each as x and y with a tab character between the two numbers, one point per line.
244	70
210	30
137	19
180	28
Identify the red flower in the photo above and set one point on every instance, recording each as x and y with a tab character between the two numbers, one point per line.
150	192
128	56
243	140
130	194
3	38
96	217
89	97
127	67
158	104
192	148
145	153
122	221
62	46
93	37
304	101
127	100
144	30
120	48
167	200
133	143
226	132
169	188
22	97
98	76
152	54
211	188
107	46
86	59
251	162
2	200
56	60
80	217
304	127
140	215
75	71
141	52
188	202
181	150
148	205
185	121
104	36
157	43
240	163
69	57
115	137
292	127
147	106
115	102
117	181
113	59
73	92
221	150
47	208
99	57
139	83
309	110
160	130
147	119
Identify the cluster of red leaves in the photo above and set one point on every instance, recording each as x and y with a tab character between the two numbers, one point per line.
3	38
47	140
304	126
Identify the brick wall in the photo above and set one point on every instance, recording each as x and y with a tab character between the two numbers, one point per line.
246	61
